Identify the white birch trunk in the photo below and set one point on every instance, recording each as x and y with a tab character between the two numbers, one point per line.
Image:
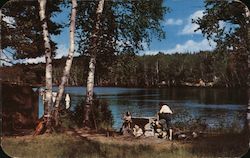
157	72
92	63
48	70
66	71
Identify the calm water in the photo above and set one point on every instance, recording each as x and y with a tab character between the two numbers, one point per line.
212	105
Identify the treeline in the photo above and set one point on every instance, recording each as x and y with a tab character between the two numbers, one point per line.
130	70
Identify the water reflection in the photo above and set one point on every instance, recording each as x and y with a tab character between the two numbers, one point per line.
210	104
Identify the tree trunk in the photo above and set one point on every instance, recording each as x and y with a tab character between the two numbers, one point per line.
157	72
69	60
145	72
92	63
48	70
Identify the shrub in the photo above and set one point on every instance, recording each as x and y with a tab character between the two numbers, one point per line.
100	115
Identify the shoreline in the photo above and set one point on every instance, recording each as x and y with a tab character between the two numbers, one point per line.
191	85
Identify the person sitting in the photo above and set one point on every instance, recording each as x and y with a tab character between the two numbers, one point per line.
160	128
149	128
165	119
137	131
127	119
126	126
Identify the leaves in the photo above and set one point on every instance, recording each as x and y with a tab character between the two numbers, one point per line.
125	25
225	22
23	35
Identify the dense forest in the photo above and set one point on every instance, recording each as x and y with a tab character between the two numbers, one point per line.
131	70
121	64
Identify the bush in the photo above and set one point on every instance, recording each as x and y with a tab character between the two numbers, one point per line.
100	115
66	120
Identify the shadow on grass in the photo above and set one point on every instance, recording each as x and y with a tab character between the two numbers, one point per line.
62	145
223	145
79	146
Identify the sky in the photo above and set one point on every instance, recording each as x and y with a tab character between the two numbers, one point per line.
180	34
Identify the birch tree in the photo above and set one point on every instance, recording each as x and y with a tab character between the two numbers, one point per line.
123	27
92	64
48	69
66	71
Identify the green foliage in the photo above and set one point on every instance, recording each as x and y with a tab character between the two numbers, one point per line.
23	34
130	70
77	114
174	70
232	32
100	115
225	22
85	25
137	21
124	27
67	121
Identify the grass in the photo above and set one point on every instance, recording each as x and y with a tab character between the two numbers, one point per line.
64	145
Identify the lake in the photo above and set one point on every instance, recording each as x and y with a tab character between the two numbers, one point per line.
213	105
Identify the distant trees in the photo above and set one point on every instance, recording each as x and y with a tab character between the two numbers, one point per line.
132	70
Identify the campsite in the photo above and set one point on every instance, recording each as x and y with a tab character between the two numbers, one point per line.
165	78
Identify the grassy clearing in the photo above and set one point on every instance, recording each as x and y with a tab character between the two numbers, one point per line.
64	145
